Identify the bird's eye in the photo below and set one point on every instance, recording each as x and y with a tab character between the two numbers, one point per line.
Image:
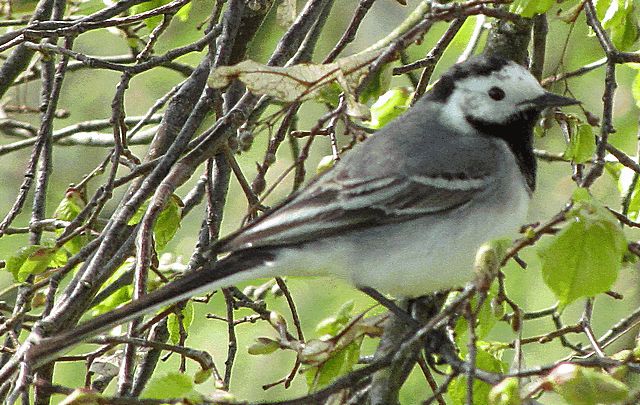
496	93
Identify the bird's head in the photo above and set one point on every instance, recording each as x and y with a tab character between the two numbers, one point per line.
489	92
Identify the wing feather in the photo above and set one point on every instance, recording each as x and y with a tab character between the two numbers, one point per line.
335	206
411	168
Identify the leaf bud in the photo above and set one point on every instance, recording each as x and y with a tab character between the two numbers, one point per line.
263	345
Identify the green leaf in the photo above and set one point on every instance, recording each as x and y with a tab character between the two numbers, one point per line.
486	359
173	322
89	6
152	22
340	363
330	94
345	312
625	34
619	17
330	327
58	259
16	261
529	8
30	260
486	320
202	375
70	206
582	144
168	222
83	397
626	181
614	14
183	13
172	385
586	386
507	392
137	217
325	164
36	263
76	243
580	194
585	257
601	8
525	8
571	14
613	169
390	105
263	345
635	89
378	84
68	209
120	296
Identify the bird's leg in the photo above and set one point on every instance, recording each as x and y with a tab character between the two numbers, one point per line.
437	341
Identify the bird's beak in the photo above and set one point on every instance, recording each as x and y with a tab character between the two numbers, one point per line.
551	100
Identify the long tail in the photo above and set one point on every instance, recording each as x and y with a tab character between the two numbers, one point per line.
237	267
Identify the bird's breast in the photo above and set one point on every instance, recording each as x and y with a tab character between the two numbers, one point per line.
438	251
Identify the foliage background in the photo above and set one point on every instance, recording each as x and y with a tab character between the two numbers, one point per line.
87	94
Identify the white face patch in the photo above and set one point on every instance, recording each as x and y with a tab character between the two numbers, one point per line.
471	97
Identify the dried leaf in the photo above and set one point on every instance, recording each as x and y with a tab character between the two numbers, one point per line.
299	82
107	365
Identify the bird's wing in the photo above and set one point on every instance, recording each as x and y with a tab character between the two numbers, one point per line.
337	205
391	177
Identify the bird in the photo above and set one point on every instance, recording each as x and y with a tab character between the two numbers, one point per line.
403	212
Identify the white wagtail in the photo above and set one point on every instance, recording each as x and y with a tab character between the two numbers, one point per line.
404	212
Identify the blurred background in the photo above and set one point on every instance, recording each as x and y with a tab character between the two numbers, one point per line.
87	95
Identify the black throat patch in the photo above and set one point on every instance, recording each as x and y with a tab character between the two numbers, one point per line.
517	132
